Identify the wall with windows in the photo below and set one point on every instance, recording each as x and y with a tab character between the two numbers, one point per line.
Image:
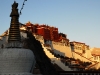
96	58
62	47
81	51
96	54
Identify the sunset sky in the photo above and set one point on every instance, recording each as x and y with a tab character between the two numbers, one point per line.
79	19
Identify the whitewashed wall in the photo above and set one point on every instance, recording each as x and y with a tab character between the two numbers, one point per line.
62	48
16	61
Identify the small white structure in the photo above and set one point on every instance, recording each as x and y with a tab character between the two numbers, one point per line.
16	61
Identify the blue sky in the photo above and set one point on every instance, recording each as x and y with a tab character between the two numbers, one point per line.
79	19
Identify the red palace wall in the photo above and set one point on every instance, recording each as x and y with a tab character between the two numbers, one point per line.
51	32
44	31
55	35
40	31
48	33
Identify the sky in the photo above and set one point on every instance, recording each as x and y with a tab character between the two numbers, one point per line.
78	19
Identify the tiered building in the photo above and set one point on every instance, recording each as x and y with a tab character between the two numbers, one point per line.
48	33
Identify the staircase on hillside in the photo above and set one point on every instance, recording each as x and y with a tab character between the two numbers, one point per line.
58	61
84	56
92	65
48	53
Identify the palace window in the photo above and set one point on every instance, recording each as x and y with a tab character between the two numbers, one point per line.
68	45
76	47
97	57
83	51
94	57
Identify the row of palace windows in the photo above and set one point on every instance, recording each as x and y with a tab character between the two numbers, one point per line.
96	57
78	44
62	44
80	48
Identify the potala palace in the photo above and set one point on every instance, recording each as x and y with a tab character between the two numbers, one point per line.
31	49
61	46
